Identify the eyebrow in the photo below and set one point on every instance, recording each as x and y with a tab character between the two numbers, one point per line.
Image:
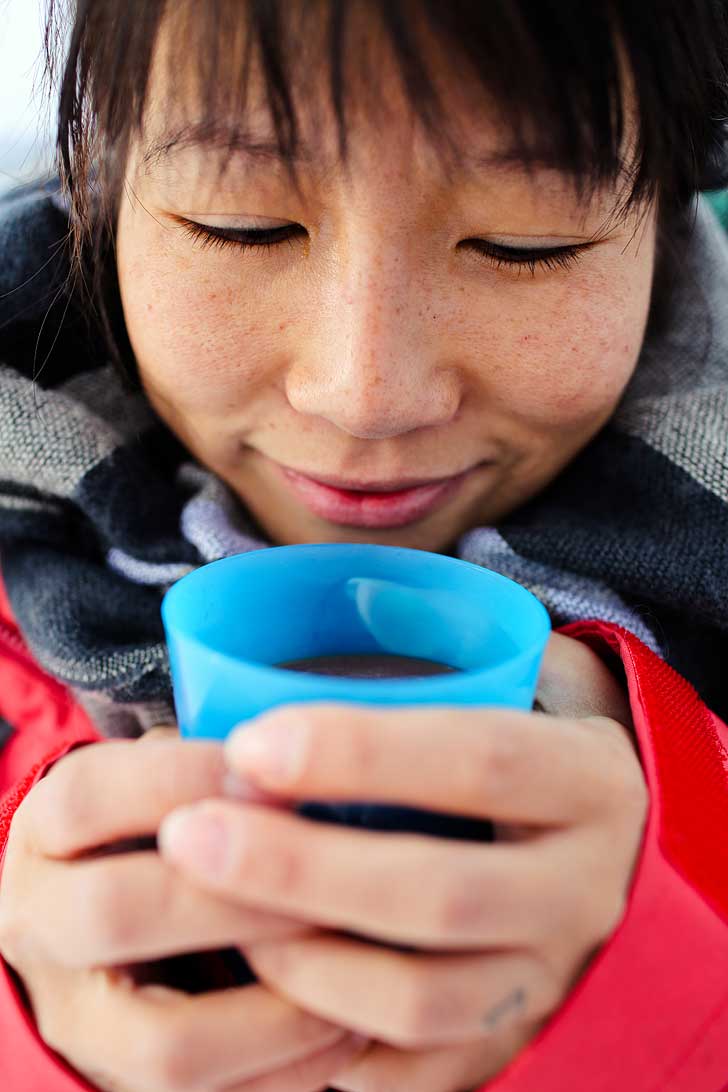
238	141
216	136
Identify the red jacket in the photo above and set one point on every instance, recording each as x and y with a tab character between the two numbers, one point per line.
651	1012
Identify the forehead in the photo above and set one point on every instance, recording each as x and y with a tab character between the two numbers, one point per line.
223	123
234	94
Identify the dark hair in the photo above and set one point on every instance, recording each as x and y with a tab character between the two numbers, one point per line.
555	68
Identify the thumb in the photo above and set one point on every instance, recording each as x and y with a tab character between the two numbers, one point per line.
160	731
574	682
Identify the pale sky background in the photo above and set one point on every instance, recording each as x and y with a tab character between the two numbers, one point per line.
25	117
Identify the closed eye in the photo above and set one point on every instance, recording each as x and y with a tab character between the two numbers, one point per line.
560	257
244	238
498	256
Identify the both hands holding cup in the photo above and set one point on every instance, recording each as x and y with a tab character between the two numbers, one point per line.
446	956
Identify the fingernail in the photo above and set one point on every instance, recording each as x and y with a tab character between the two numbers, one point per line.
196	839
272	751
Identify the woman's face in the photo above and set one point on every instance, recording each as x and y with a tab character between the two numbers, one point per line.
380	336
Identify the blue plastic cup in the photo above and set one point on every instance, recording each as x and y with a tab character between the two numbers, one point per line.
228	623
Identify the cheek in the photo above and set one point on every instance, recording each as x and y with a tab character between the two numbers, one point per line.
564	358
573	370
556	352
196	342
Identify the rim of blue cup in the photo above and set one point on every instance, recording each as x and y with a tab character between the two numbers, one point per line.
309	681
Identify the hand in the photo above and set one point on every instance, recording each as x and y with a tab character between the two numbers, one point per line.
70	920
496	934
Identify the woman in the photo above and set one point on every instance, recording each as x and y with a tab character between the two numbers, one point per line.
421	274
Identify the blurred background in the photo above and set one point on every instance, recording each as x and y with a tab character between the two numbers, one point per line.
26	118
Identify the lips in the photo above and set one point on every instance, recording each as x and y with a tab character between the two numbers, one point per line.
398	486
377	505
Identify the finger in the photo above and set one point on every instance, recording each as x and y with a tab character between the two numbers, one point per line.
173	1043
444	1069
134	908
118	789
575	682
487	763
372	883
310	1074
410	1001
159	731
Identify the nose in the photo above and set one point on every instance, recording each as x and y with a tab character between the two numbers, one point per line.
371	366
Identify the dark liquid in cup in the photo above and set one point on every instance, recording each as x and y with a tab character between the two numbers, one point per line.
368	665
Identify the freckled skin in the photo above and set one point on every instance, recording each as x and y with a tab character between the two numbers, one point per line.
377	347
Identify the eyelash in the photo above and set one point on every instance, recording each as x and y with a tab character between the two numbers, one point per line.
250	239
563	257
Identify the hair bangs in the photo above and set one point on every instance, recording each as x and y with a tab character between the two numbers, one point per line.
564	75
558	85
612	92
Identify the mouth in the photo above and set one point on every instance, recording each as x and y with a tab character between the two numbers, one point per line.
373	504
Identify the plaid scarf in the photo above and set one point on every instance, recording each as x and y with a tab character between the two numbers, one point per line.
102	509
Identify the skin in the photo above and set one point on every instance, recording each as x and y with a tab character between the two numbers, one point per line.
376	345
497	940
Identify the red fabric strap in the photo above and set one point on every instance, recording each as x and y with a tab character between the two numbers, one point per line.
682	750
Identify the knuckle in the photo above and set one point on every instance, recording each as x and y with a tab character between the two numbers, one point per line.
284	871
105	920
54	1005
16	931
307	728
621	755
311	730
548	988
315	1032
493	768
21	823
51	1024
271	867
322	725
374	1081
591	916
300	1072
177	770
362	745
165	1055
459	910
11	932
606	916
425	1009
10	919
633	790
63	807
159	731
